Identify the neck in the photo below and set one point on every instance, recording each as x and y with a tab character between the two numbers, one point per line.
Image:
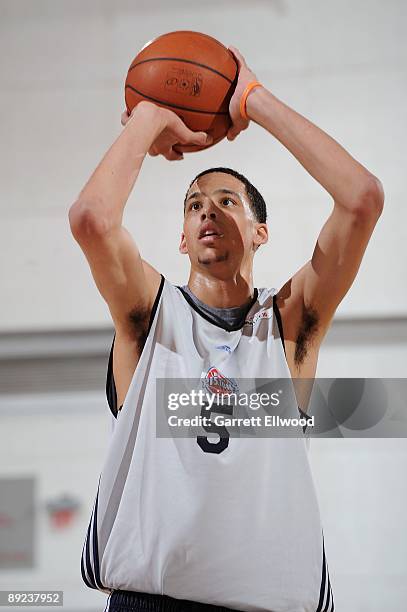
221	293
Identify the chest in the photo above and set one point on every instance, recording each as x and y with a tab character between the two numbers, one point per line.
200	348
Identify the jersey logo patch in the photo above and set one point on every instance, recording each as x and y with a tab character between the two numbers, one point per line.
215	382
262	314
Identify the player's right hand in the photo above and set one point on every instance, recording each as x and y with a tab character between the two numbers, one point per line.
171	131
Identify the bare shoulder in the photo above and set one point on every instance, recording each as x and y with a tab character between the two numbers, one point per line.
151	273
134	324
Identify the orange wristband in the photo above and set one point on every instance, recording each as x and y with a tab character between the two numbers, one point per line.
243	99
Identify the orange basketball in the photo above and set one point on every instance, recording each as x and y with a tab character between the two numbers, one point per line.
190	73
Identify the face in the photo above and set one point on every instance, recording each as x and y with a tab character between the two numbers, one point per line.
219	226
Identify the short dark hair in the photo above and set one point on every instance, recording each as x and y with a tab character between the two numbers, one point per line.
257	202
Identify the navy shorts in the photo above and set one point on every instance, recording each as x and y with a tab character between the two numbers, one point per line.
129	601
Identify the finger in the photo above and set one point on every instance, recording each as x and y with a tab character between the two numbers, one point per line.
202	138
239	57
187	136
236	129
198	138
125	117
175	148
232	133
173	155
153	152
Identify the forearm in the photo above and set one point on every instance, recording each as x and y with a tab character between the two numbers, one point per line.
339	173
105	194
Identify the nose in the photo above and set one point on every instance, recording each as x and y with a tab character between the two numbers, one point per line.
208	210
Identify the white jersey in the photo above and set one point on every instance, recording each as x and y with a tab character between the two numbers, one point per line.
239	528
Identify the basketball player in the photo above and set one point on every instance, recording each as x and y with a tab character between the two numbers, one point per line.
188	523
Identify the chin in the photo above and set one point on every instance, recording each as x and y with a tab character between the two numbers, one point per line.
216	258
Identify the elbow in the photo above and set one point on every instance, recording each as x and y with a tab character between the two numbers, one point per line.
371	200
84	221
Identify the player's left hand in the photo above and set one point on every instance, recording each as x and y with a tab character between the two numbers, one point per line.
245	77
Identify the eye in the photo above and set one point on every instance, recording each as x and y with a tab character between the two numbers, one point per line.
227	200
193	204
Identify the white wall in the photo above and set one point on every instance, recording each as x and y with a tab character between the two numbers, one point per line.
341	64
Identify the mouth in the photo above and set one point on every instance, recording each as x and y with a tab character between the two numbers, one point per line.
210	237
209	232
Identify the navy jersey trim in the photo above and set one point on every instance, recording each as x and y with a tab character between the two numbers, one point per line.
279	321
111	392
87	567
280	329
95	546
90	564
225	326
326	600
86	560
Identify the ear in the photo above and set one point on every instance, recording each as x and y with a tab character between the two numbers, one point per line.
261	235
183	245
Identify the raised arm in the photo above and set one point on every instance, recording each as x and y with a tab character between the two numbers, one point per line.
358	199
127	283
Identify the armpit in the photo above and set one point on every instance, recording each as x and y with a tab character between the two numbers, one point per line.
308	329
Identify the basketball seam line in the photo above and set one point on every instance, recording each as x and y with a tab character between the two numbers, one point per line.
191	110
180	59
